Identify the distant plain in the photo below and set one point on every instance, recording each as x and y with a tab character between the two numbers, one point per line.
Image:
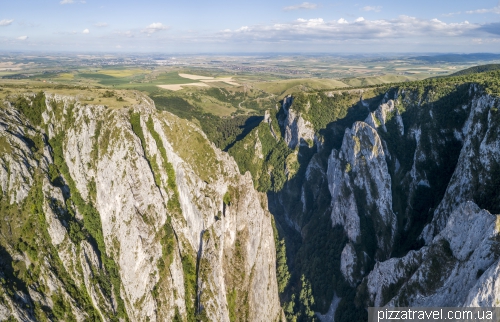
219	85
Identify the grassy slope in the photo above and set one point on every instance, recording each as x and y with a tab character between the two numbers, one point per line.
135	81
477	69
384	79
282	87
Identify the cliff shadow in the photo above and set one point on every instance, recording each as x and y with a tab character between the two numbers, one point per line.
302	210
9	273
251	123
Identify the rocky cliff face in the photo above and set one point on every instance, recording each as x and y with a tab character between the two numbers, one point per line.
112	214
297	130
360	184
447	271
461	240
409	214
477	164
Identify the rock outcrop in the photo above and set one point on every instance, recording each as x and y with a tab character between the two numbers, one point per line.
297	130
477	165
140	227
412	201
445	272
360	186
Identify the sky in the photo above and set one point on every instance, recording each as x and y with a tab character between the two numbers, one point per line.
258	26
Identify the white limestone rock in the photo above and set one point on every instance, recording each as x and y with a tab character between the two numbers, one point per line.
348	263
380	115
112	171
446	272
399	122
297	130
486	291
391	272
55	228
345	211
474	164
361	164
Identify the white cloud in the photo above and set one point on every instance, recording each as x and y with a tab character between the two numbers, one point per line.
154	27
370	8
481	41
22	37
303	5
242	29
127	34
6	22
488	41
342	30
451	14
71	1
85	31
101	24
492	10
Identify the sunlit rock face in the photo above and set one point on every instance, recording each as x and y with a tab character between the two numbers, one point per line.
131	224
297	130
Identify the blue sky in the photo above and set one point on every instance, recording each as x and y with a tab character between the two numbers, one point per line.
221	26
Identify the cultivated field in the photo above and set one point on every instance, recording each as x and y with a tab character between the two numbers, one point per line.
203	80
177	87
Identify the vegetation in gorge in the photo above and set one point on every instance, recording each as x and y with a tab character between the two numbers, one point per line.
222	131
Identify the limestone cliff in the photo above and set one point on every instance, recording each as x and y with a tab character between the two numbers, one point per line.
297	129
409	213
134	215
461	240
360	185
446	271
